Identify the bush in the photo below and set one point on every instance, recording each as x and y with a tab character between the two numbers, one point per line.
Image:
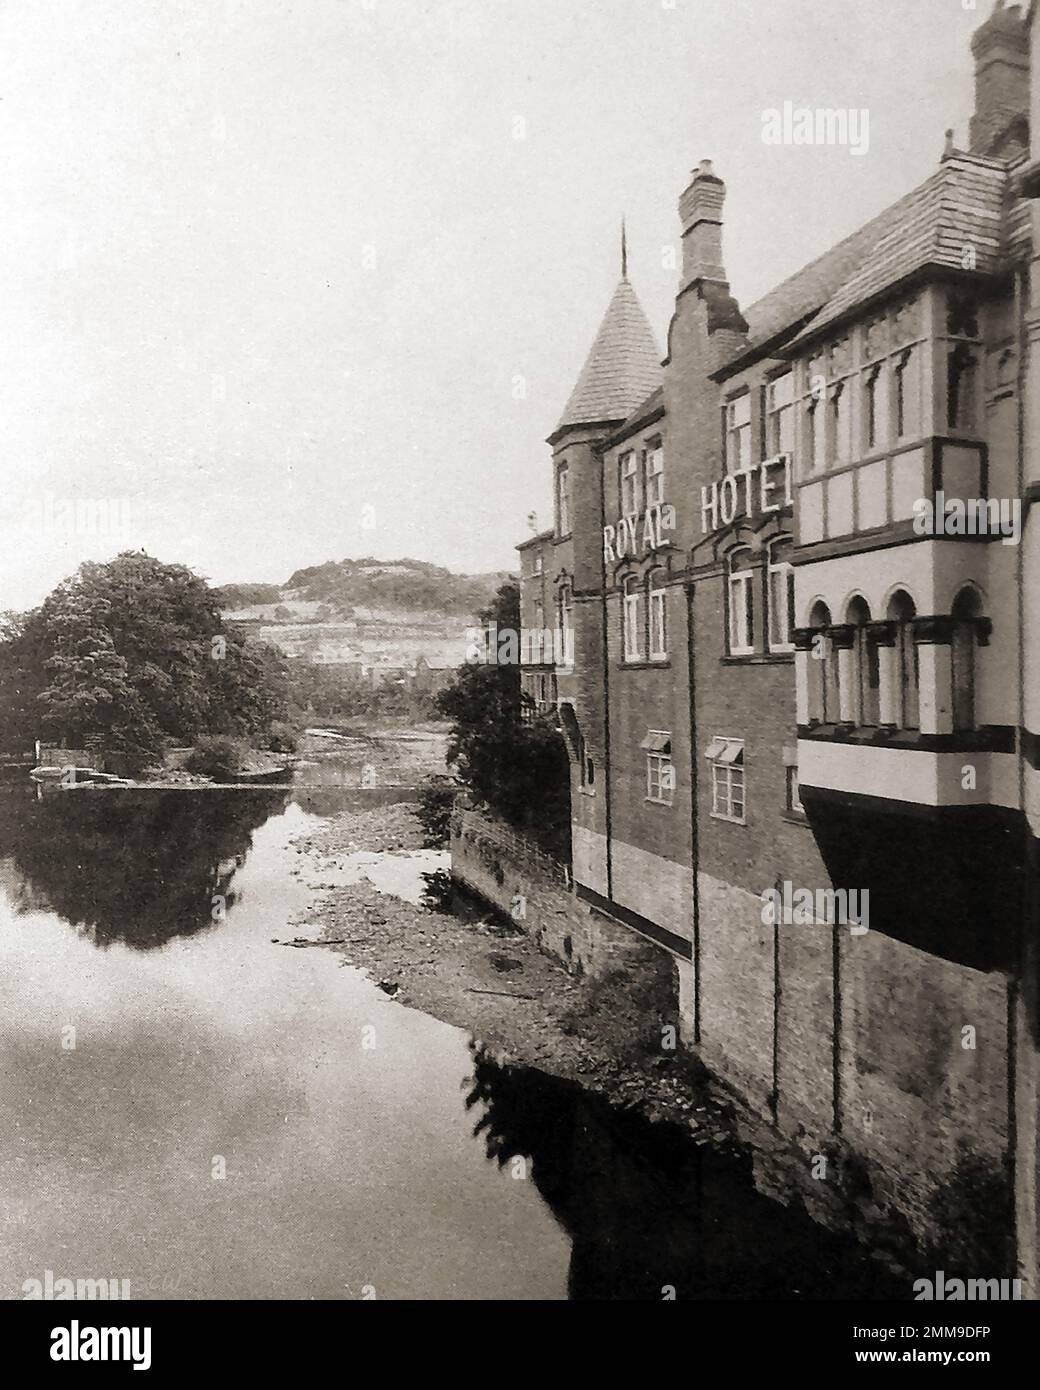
218	756
436	799
281	737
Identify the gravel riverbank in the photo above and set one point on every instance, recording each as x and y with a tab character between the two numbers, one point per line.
470	969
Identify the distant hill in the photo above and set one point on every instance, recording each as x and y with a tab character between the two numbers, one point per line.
341	586
365	611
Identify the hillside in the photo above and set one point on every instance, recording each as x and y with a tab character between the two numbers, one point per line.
371	615
365	589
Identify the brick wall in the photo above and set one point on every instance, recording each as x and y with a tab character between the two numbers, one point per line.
503	867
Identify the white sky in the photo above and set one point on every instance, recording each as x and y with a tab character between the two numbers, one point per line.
191	323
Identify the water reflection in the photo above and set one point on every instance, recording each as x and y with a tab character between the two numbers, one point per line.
649	1211
138	868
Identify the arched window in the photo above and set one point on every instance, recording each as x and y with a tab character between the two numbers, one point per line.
967	608
780	595
841	423
741	598
631	620
866	673
902	612
823	682
658	617
873	407
816	430
908	396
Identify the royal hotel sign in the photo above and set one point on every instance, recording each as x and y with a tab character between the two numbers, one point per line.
752	493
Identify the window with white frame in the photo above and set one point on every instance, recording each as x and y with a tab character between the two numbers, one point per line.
538	563
563	500
780	415
660	772
629	465
726	757
741	586
738	434
631	620
655	476
658	618
780	593
538	635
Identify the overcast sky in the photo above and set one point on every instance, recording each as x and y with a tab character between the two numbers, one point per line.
271	270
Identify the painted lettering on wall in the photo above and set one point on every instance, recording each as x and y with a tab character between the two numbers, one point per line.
752	492
637	535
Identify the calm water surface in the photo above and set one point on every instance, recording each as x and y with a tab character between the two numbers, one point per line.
414	1165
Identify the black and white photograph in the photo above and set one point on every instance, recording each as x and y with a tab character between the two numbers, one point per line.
519	667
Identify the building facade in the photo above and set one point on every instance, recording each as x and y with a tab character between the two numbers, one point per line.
797	562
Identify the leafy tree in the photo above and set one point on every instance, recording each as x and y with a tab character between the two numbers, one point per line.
22	679
516	765
127	654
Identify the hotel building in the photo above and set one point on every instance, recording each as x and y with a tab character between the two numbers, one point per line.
798	566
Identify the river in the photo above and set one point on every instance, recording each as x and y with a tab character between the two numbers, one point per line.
187	1106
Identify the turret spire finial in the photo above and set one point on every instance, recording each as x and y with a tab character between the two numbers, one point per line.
624	251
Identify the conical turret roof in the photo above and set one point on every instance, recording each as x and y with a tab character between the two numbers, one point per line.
623	366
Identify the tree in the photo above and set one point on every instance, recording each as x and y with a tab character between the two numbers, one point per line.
127	654
516	765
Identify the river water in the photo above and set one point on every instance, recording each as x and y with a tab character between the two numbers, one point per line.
189	1107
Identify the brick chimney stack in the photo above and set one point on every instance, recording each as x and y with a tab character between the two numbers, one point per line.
1001	51
700	213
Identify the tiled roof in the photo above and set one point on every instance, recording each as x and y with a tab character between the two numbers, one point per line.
803	294
961	205
622	368
653	405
